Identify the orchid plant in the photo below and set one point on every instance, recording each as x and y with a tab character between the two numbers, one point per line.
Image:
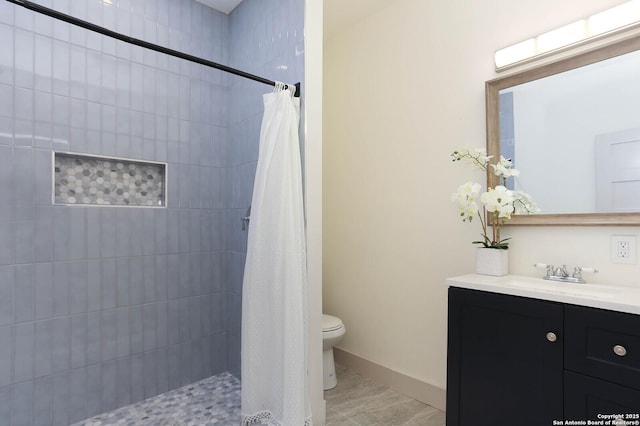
498	203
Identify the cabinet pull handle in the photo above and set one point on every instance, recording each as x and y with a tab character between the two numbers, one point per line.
619	350
551	336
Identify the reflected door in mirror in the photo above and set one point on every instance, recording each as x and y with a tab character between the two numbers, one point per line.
618	171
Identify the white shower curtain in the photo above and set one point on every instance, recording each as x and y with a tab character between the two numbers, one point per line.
274	306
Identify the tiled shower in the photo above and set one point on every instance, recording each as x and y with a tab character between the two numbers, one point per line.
104	306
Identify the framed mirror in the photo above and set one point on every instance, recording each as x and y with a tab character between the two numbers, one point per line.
572	129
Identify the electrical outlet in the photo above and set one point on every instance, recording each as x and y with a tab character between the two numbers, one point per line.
623	249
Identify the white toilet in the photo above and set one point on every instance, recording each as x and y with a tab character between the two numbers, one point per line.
332	331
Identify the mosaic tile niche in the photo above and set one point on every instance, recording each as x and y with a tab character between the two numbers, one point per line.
80	179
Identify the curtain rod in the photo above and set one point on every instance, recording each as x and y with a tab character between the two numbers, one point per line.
104	31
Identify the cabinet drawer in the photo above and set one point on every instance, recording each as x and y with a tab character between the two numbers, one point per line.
603	344
585	398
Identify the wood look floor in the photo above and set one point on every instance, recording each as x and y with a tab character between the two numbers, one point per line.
358	401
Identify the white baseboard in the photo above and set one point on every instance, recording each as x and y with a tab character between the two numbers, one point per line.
416	389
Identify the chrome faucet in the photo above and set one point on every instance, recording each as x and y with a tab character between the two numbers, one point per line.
561	274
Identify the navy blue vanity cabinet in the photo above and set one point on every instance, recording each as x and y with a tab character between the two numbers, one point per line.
602	363
505	360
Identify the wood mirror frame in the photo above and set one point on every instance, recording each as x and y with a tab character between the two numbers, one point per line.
493	87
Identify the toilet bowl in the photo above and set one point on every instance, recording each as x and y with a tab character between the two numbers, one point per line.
332	331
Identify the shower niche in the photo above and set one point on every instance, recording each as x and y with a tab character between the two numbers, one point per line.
108	181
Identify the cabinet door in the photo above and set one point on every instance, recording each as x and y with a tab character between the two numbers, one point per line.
502	369
586	397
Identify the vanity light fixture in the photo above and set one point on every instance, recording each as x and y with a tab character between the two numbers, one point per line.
622	17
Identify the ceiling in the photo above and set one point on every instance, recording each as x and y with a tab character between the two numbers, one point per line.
338	14
224	6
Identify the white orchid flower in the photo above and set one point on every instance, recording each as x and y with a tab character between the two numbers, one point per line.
466	198
478	157
500	200
504	168
524	204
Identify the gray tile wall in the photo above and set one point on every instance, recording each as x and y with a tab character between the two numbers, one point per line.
101	307
266	39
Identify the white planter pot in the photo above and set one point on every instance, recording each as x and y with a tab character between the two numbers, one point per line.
492	261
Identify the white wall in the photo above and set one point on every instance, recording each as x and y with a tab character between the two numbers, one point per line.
402	89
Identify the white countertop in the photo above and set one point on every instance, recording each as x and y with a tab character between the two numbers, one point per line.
614	298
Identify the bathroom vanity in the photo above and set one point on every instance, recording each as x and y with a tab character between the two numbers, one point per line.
526	351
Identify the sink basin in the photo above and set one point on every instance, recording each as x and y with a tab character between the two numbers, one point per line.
569	289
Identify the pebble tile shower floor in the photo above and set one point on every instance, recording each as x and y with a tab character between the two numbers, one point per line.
212	401
356	401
